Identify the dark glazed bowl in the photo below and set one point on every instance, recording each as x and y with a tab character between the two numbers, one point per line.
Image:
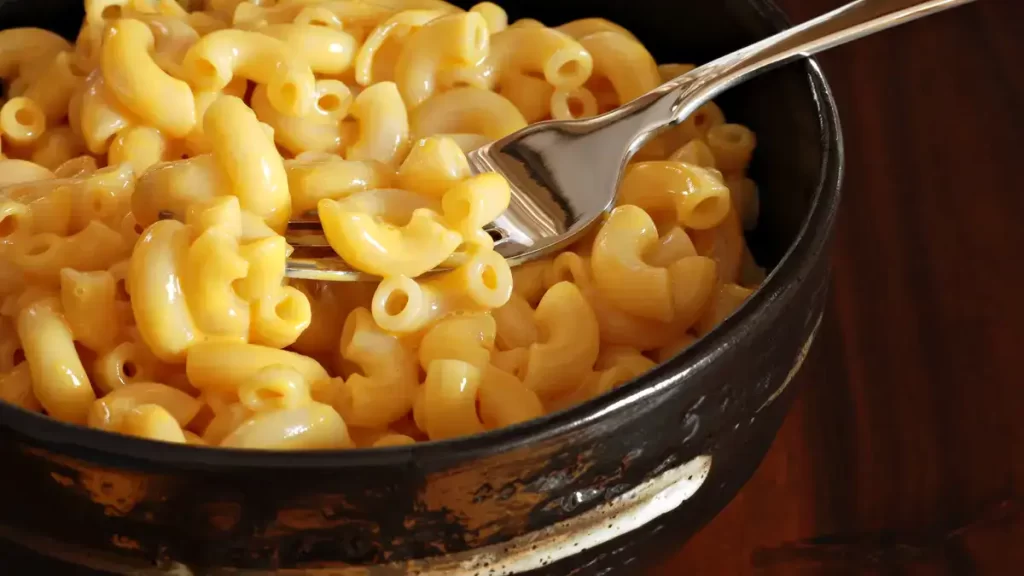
581	492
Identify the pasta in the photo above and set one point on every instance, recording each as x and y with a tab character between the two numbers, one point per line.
148	173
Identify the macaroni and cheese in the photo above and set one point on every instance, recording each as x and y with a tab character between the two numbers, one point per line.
150	170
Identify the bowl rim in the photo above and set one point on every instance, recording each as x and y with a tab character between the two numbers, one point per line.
796	261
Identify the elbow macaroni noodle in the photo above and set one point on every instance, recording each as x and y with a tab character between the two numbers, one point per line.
149	170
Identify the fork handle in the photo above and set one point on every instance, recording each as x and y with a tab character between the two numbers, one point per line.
675	100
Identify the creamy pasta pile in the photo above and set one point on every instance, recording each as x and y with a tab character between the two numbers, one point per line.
152	168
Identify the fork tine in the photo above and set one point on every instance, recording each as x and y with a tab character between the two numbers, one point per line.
304	225
308	240
325	270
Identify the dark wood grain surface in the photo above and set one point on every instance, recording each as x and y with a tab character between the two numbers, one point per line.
905	453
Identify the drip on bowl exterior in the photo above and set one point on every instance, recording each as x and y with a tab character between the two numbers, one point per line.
606	486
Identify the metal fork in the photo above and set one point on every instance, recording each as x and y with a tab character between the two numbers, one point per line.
564	174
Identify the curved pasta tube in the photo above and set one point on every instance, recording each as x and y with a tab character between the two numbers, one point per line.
697	196
391	440
383	125
593	384
563	61
161	311
433	166
22	219
532	96
87	48
108	412
313	426
468	142
22	121
193	439
695	152
385	389
355	230
100	11
196	142
315	15
226	420
170	189
332	178
234	287
213	264
573	104
59	380
467	111
250	161
617	326
530	280
615	366
223	367
101	115
482	283
724	244
394	29
127	364
624	62
697	124
11	354
745	200
483	74
78	166
104	196
152	422
20	171
16	388
90	307
449	400
279	313
619	270
693	281
515	325
466	337
396	5
475	202
732	146
327	50
570	338
66	206
160	100
141	147
626	357
19	46
319	131
672	349
587	26
504	400
494	15
275	388
96	247
213	61
52	90
57	146
457	40
172	37
726	300
353	15
672	246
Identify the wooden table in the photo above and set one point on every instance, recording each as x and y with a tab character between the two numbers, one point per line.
905	452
